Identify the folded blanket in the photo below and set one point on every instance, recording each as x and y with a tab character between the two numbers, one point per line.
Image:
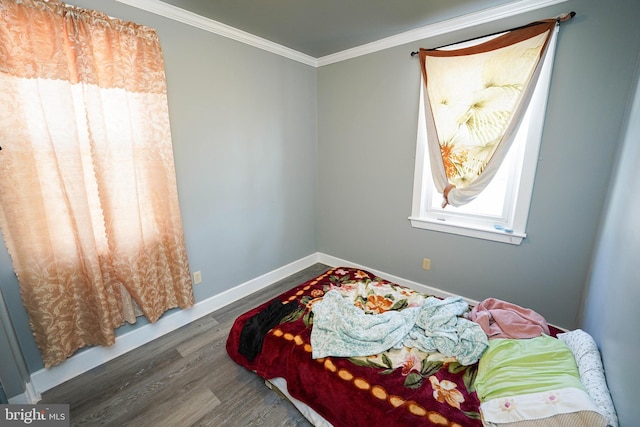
501	319
533	382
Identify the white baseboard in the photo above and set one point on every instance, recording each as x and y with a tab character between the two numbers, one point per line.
29	397
47	378
430	290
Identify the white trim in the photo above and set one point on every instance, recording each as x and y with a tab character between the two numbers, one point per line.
45	379
181	15
29	397
427	289
91	357
513	238
465	21
443	27
430	290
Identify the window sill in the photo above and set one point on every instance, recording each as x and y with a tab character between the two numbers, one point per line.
478	232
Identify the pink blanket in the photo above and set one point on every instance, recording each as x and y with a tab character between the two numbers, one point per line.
501	319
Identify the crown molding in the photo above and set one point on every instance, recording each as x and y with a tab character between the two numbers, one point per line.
181	15
465	21
442	27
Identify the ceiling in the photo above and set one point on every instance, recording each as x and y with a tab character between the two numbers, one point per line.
324	27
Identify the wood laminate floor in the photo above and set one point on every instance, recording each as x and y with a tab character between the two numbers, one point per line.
184	378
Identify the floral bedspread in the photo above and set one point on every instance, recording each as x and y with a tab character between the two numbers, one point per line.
399	387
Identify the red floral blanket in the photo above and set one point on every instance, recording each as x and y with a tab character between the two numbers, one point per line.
403	387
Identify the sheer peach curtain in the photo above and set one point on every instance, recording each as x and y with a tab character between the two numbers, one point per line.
88	197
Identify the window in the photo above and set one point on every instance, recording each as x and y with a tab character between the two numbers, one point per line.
500	212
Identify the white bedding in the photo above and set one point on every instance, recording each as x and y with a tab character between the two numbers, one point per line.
592	375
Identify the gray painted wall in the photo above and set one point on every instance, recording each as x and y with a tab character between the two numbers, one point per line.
244	124
244	139
367	117
613	296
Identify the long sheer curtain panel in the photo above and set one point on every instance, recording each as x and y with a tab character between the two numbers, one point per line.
88	196
475	98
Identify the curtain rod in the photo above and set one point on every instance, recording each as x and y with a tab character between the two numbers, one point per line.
560	18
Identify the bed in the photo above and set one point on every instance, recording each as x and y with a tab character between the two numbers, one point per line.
346	382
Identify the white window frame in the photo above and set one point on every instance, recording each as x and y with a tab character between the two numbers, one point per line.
511	226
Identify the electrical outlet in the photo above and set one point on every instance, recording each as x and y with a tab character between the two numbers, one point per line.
197	277
426	264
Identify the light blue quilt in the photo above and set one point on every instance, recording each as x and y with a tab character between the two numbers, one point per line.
343	330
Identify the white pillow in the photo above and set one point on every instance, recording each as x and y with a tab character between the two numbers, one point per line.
591	371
